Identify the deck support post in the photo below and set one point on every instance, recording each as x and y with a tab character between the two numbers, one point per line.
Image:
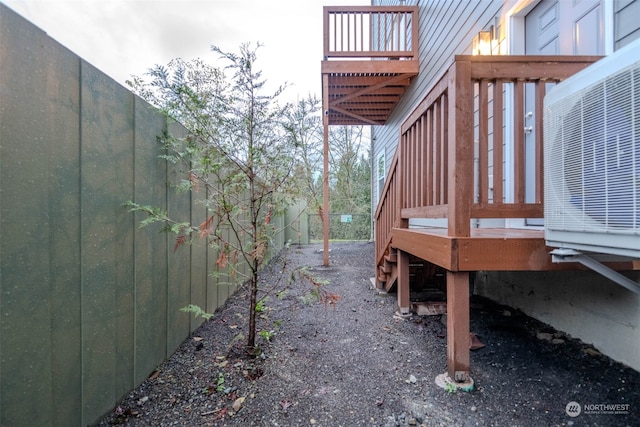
458	326
404	305
325	172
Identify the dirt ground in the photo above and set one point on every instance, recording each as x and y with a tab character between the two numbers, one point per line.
350	362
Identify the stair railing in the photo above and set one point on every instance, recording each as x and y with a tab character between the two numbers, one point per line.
455	147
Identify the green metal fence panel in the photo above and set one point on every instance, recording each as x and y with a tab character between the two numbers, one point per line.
63	106
150	245
297	231
211	256
199	265
178	260
25	331
106	125
89	302
224	277
125	226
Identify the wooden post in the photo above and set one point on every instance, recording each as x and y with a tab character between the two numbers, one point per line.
401	171
457	325
325	177
460	195
403	283
460	149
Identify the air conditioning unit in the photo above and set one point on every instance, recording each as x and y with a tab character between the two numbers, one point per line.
592	157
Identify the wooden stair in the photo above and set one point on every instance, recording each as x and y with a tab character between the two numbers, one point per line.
427	280
388	271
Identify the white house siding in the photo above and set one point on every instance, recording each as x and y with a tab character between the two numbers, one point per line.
446	29
626	22
583	304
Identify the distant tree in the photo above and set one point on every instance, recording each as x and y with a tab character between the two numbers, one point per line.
304	124
350	170
239	151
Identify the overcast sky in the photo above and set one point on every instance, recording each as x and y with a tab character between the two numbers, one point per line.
125	37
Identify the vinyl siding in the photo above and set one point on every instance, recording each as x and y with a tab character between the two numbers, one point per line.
446	29
626	23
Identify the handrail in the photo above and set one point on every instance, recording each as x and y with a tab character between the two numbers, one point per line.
451	159
370	32
386	214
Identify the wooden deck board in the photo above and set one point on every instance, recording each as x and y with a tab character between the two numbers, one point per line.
487	249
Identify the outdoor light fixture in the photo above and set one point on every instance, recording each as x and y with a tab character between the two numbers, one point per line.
483	42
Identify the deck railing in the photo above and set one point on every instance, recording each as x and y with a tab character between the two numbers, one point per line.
370	32
465	138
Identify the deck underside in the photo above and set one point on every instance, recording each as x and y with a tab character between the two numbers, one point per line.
365	92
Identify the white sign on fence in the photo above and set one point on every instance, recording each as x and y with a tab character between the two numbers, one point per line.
345	218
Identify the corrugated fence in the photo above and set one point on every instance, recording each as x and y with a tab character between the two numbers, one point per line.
89	302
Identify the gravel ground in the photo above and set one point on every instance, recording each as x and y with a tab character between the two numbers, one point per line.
350	362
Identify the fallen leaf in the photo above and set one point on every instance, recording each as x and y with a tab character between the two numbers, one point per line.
154	375
592	352
544	336
237	338
475	343
237	404
196	339
220	413
285	404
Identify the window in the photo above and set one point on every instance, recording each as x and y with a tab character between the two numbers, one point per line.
381	172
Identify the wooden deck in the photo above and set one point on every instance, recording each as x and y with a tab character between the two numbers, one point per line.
486	249
463	157
370	57
452	164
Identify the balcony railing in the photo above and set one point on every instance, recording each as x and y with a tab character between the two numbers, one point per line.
451	159
371	32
